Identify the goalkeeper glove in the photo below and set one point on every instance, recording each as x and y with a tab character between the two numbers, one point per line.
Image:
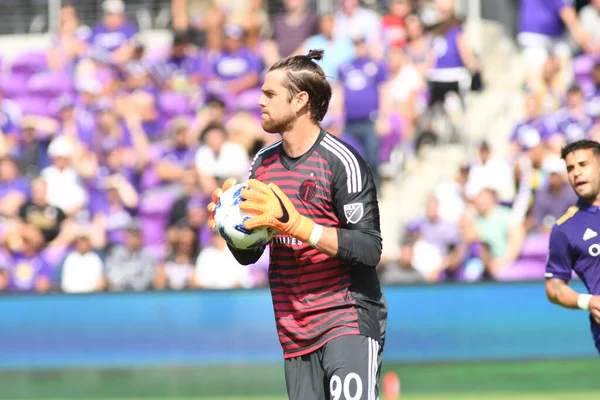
215	198
275	210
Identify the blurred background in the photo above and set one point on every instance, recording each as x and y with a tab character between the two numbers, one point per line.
118	119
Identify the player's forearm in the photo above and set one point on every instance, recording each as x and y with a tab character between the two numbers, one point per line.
560	293
353	247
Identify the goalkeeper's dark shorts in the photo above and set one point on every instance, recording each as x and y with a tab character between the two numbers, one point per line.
345	368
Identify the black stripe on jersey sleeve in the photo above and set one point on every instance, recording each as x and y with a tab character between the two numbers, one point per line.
355	204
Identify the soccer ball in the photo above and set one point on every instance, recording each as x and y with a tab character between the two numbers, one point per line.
229	221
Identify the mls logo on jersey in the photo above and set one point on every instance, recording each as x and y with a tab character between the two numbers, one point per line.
353	212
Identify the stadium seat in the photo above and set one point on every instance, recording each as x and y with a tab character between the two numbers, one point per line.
49	84
582	67
34	105
174	104
29	63
13	85
523	270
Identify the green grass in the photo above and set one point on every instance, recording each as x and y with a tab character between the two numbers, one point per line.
471	396
542	380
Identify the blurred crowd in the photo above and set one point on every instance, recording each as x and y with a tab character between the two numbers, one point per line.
492	220
110	145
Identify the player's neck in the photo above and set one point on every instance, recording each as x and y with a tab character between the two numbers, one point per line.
300	138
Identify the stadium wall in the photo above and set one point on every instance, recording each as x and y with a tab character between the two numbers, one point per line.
446	323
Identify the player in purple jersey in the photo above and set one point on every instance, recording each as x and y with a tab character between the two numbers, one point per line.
574	241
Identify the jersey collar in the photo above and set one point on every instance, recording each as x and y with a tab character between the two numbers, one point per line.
583	206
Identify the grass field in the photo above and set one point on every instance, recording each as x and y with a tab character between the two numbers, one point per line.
479	396
472	396
542	380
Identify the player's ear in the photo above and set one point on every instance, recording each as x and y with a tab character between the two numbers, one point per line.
300	101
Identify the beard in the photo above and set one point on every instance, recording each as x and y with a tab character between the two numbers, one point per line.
284	124
589	196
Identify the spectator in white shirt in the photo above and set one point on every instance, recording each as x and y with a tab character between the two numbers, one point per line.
65	189
218	158
352	20
491	172
216	268
83	269
589	19
450	195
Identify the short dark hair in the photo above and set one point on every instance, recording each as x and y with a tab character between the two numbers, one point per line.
305	75
580	145
211	127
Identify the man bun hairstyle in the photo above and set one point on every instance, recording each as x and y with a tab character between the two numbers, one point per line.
305	75
316	54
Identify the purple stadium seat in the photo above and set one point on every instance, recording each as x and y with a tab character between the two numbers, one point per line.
523	270
158	201
33	105
13	85
154	228
389	142
173	104
158	251
582	66
54	255
49	84
535	247
29	63
248	100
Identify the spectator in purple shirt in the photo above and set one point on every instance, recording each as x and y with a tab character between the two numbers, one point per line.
361	80
112	210
10	115
542	29
28	271
114	34
573	123
110	128
533	131
138	94
184	66
455	57
74	125
178	158
554	198
14	189
236	70
592	93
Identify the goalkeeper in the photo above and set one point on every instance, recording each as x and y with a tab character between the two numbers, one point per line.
319	194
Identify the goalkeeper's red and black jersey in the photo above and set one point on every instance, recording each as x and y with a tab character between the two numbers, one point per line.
317	298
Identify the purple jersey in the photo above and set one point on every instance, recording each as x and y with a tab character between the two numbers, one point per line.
446	49
542	16
182	157
187	65
530	133
361	79
575	246
116	218
230	66
574	127
18	184
111	40
24	272
593	101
